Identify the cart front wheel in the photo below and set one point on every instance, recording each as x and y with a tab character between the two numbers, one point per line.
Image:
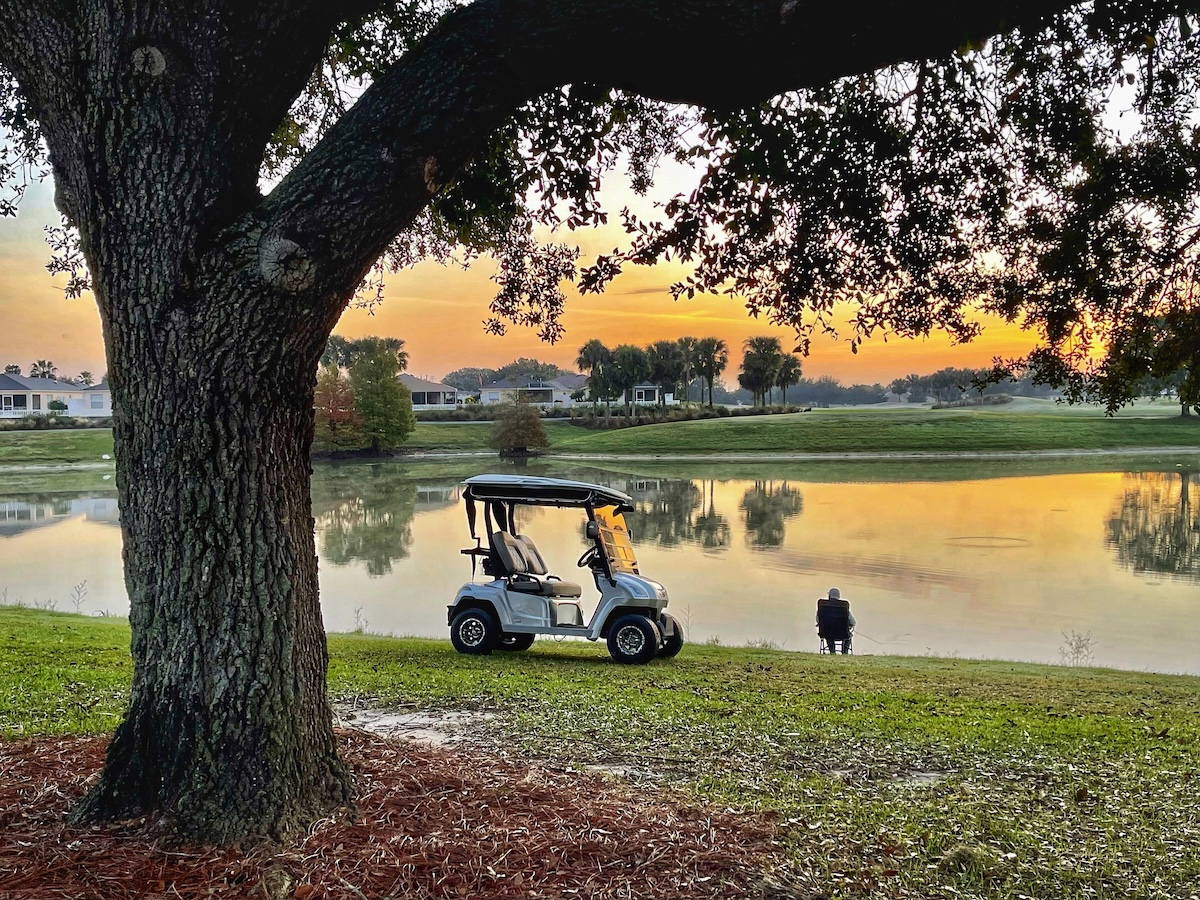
673	643
633	640
515	642
474	631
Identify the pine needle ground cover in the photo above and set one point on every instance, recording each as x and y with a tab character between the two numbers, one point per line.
873	776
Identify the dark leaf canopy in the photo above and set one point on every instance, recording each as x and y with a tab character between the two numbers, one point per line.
1048	175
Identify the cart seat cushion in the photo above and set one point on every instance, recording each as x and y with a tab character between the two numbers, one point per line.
534	562
525	574
531	584
511	553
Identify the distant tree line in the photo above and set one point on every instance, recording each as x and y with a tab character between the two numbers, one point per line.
44	368
950	384
669	365
519	371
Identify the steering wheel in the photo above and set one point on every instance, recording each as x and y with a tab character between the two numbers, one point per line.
589	557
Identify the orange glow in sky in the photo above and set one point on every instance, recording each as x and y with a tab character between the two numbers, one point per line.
439	313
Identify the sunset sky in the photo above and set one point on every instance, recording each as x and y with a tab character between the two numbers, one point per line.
439	313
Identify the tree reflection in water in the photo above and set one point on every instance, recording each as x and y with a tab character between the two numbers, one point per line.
765	507
1156	528
364	513
712	529
663	511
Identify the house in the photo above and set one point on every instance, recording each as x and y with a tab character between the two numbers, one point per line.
554	392
429	394
21	396
652	394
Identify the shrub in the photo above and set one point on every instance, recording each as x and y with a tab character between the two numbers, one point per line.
518	429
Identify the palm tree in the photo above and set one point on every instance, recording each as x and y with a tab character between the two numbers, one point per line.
760	366
789	374
666	366
594	358
86	378
629	367
687	346
43	368
712	356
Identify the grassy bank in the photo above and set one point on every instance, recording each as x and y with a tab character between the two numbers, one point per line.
55	448
891	431
1027	427
892	777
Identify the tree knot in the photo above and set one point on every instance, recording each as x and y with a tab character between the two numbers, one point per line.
431	174
285	265
149	61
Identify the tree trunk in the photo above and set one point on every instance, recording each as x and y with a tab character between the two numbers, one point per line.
213	326
228	731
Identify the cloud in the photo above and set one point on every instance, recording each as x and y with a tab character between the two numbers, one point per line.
653	289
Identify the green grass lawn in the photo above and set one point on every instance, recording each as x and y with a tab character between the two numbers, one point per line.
891	777
58	447
891	431
1029	427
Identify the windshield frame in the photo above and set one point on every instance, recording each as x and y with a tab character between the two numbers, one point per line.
613	532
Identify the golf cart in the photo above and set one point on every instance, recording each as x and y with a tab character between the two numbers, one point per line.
521	599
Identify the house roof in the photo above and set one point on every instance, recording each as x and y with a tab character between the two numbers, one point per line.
21	383
562	382
504	384
571	382
413	383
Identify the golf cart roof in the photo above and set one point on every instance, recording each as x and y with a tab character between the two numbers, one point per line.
536	491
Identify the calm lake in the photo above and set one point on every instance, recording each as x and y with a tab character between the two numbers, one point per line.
995	560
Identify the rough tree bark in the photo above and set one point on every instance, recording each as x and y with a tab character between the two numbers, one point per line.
216	303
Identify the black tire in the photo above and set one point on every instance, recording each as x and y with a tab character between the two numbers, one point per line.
674	643
474	631
633	640
515	642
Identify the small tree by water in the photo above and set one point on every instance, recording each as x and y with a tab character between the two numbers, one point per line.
518	429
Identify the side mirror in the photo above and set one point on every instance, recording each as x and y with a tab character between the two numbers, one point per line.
591	530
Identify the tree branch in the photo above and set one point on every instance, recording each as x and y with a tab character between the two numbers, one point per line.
417	125
31	29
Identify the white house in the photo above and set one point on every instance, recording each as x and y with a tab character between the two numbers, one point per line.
652	394
21	396
429	394
555	392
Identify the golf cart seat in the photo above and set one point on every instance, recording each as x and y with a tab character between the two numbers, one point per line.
526	570
833	625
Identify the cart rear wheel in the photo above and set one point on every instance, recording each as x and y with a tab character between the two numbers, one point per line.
633	640
474	631
673	643
515	642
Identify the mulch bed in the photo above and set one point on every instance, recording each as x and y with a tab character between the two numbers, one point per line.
434	823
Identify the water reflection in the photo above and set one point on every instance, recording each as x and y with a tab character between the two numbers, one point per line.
365	513
995	567
26	512
663	511
712	529
1155	528
765	507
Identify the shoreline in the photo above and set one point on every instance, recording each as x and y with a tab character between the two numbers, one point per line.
733	456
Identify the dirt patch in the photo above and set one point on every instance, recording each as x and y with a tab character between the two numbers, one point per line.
434	823
442	729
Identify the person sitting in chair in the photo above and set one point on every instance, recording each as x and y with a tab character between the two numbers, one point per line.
835	622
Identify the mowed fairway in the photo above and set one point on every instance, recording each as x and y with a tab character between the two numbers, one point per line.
896	430
1025	425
